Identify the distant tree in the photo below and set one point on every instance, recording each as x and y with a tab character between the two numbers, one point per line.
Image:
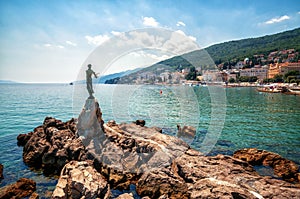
243	79
291	73
278	78
225	65
159	79
231	80
253	79
289	79
192	75
268	80
248	79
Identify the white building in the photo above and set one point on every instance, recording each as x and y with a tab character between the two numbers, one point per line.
239	65
260	73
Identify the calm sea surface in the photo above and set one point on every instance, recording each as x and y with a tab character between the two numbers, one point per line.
226	119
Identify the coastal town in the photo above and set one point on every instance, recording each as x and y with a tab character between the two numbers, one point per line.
278	67
260	68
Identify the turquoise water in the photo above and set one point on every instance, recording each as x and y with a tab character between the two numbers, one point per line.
238	118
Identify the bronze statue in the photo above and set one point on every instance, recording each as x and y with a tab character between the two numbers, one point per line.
89	82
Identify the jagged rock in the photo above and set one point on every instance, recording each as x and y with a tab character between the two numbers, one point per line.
128	150
52	145
22	188
125	196
23	138
160	181
1	171
90	122
193	175
122	152
286	169
80	180
34	195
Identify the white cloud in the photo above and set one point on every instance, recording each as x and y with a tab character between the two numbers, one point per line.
115	33
180	23
299	12
96	40
154	56
190	37
47	45
150	21
71	43
277	20
53	46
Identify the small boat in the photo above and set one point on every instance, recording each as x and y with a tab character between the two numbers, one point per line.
269	89
295	90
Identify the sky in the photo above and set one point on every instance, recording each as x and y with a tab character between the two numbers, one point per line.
48	41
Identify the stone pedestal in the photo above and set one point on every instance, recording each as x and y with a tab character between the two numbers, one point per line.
90	123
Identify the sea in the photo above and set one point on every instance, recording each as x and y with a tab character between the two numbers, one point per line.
225	119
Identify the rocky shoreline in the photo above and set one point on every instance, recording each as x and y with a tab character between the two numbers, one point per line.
93	159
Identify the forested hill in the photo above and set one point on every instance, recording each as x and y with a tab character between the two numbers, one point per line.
248	47
240	49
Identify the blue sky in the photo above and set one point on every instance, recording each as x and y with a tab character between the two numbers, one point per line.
49	40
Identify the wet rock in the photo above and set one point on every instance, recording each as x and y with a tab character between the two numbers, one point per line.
52	145
23	138
22	188
286	169
140	122
81	180
186	131
1	171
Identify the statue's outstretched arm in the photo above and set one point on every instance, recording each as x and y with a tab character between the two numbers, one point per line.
95	74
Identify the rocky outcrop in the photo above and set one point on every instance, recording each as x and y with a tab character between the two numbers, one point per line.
126	151
159	165
283	168
193	175
22	188
163	166
1	171
80	180
52	145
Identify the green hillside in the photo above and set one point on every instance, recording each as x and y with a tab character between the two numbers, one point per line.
229	52
249	47
238	50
